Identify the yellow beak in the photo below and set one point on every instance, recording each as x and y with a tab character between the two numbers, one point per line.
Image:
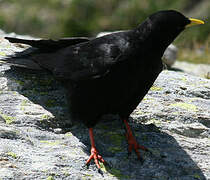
194	22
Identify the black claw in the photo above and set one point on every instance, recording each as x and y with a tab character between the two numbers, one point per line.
141	160
163	156
150	152
100	172
85	166
147	150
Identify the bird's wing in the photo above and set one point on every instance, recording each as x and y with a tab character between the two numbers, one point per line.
90	60
86	60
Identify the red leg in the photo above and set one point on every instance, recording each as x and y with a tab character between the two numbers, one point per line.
94	153
132	143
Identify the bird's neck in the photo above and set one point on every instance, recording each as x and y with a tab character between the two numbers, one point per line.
149	36
149	47
149	42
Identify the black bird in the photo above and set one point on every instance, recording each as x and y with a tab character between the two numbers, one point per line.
110	74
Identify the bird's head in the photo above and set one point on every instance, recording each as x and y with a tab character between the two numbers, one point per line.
163	27
172	21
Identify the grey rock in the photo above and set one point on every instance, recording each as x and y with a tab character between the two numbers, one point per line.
202	70
38	140
170	55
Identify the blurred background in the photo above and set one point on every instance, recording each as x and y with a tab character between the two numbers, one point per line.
63	18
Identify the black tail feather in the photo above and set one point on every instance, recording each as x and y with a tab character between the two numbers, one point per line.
39	51
49	45
22	62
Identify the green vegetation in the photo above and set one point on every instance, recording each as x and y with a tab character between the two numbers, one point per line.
12	154
45	117
24	102
198	55
50	178
114	172
155	88
55	19
50	143
8	119
186	106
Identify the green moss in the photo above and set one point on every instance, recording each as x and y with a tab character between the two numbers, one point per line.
114	149
50	143
22	108
154	121
8	119
86	176
175	113
185	106
50	178
66	173
117	173
184	79
12	154
2	54
2	62
197	176
45	117
203	82
24	102
148	98
138	112
68	134
114	172
155	88
116	138
207	76
103	168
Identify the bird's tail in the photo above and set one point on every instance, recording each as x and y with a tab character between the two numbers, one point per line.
39	49
48	45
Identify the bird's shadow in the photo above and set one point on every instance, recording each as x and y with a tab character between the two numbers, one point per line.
167	159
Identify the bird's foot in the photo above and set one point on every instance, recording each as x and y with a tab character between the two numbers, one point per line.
133	144
94	155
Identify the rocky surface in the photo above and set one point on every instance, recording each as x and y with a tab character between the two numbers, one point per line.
202	70
38	140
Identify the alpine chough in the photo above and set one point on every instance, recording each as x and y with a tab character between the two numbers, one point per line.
110	74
